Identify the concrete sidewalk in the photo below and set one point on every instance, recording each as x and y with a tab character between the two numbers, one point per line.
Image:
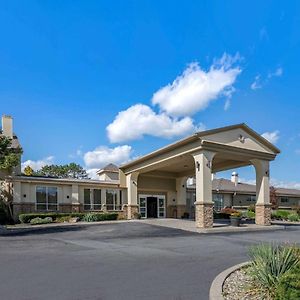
219	227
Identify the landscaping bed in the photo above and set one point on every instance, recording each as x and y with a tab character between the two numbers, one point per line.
273	273
46	218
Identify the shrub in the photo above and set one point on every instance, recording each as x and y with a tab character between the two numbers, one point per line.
289	286
248	214
293	217
251	208
220	215
63	219
269	264
280	214
26	218
228	210
38	220
236	214
97	217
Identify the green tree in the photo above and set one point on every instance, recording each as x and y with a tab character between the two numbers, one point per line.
28	171
9	156
71	170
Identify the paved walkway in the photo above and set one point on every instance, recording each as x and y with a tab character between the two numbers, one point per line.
219	227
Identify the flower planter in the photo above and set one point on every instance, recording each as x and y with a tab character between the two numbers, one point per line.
235	221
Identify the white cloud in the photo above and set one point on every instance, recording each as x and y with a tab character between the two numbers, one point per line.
196	88
37	164
272	137
277	73
92	173
285	184
103	155
227	104
139	120
275	182
297	151
256	84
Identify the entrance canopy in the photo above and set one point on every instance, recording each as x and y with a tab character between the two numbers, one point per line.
201	155
235	146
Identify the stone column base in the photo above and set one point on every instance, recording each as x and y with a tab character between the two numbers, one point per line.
132	211
204	215
263	214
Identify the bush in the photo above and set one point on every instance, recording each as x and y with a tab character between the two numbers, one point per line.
38	220
251	208
280	214
228	210
248	214
270	263
289	286
97	217
220	215
293	217
26	218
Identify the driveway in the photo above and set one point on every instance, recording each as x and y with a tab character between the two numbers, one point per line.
121	261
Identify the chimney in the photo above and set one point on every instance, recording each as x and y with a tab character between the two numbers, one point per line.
235	178
7	126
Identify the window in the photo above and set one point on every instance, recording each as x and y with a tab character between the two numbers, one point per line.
46	198
142	207
92	199
284	199
251	198
113	199
161	207
218	202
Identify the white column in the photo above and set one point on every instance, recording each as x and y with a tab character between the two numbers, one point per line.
263	205
204	203
181	196
131	183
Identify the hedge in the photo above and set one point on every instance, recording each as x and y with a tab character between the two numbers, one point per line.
26	218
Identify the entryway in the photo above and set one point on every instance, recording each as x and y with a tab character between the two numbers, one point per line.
152	206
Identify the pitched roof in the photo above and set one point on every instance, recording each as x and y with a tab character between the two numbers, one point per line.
109	168
225	185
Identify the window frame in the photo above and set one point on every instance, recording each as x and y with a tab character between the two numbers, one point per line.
117	200
92	203
37	204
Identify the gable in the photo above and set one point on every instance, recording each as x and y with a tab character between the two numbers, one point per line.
242	138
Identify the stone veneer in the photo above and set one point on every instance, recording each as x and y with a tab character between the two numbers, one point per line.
263	214
131	211
204	215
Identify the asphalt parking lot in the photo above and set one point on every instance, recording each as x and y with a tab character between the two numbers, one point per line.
121	261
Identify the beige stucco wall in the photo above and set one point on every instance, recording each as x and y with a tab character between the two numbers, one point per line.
231	138
156	184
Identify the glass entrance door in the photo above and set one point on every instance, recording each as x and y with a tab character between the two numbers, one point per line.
152	206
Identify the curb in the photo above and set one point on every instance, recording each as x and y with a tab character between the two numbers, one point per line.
216	288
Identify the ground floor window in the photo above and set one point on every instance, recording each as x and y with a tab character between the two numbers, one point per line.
46	198
251	198
92	199
284	199
113	199
218	200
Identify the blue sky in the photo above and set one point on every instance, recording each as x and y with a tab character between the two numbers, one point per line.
72	73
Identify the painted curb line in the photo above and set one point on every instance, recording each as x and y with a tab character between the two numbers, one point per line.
216	288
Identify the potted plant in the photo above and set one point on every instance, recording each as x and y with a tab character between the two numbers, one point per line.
235	219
